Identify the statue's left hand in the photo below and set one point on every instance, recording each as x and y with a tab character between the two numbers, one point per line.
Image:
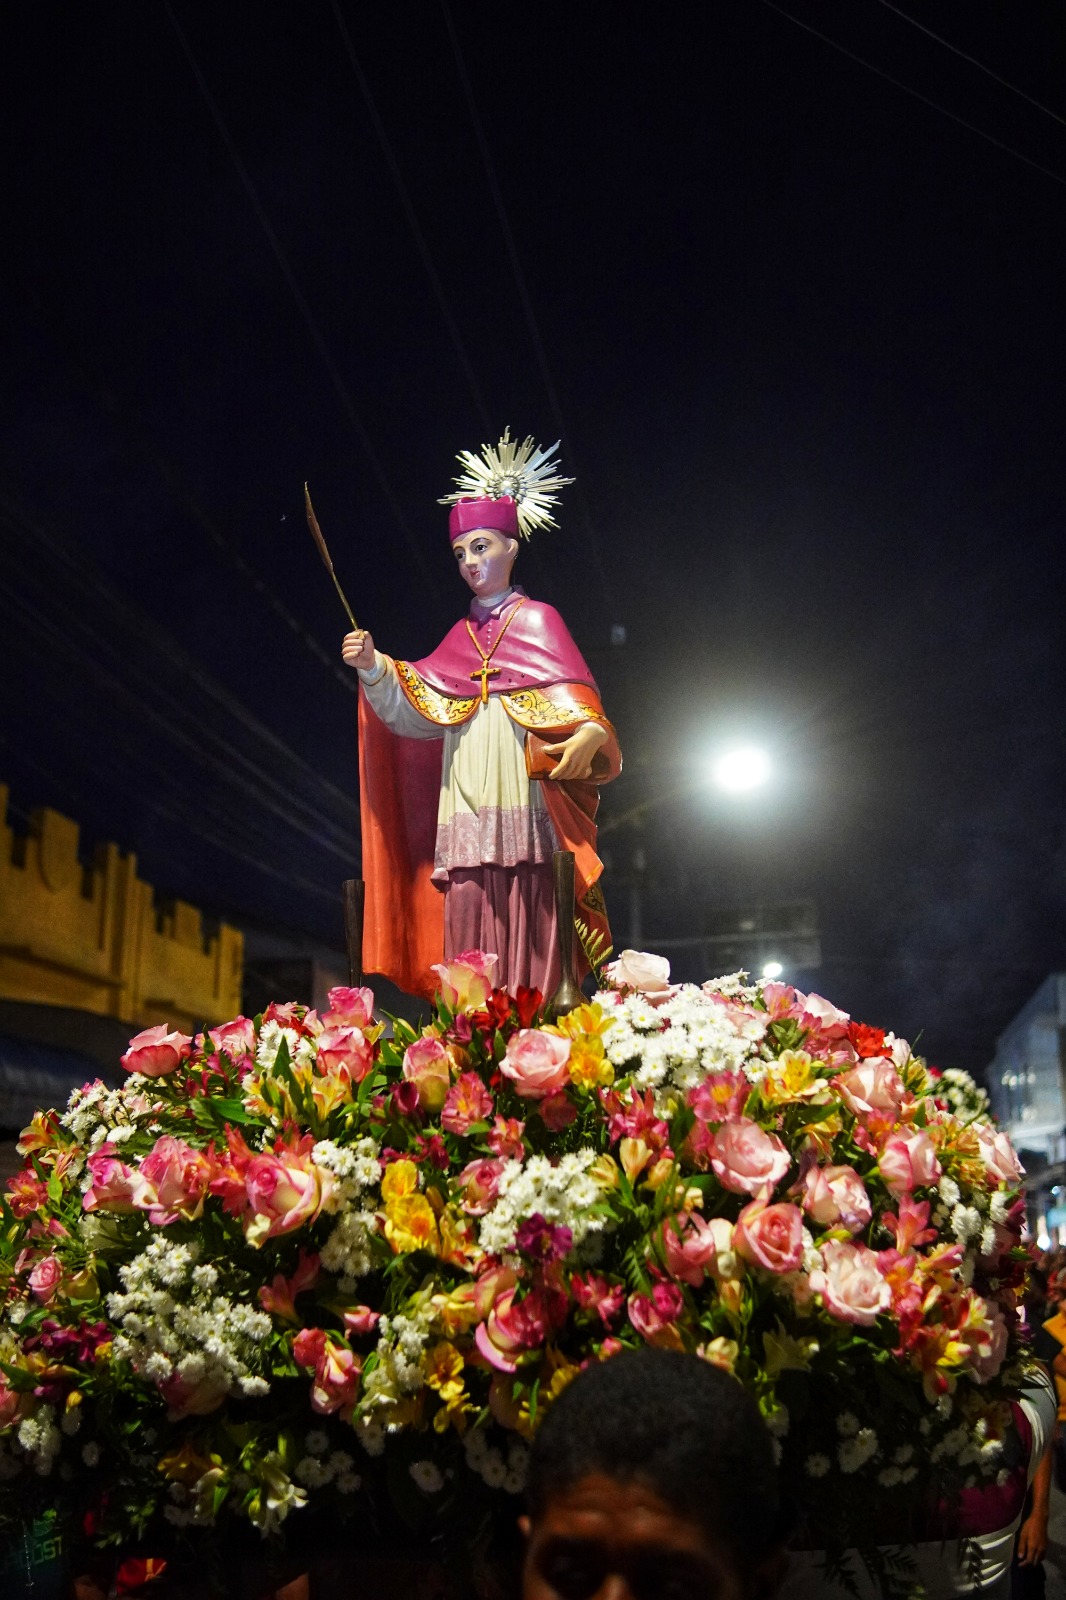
576	752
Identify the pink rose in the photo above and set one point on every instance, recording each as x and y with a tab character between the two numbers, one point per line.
114	1186
352	1008
480	1183
999	1155
285	1189
342	1049
826	1018
178	1177
467	1102
155	1051
426	1065
850	1283
466	981
46	1278
908	1160
694	1248
535	1062
235	1039
872	1089
511	1329
746	1159
336	1367
770	1236
636	969
836	1198
655	1316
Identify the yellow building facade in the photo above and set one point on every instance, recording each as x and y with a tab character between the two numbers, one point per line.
89	936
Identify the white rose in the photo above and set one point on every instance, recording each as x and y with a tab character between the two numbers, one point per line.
636	969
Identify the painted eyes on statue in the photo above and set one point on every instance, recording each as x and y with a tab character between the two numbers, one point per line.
478	548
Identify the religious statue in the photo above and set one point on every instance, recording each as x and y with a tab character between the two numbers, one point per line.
481	760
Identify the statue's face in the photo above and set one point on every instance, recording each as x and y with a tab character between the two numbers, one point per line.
485	559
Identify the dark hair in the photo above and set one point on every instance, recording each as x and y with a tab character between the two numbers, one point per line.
671	1421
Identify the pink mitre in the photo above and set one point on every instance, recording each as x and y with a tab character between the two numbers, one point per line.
483	512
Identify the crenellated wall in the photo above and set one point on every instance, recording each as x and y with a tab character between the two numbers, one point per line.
91	937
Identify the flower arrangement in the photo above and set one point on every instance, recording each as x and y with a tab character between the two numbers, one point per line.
307	1259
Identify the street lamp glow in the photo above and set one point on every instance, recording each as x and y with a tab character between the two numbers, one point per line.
772	969
743	768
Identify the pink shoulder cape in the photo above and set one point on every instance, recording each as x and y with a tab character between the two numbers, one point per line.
536	651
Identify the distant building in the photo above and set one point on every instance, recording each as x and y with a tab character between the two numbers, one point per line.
1027	1086
88	957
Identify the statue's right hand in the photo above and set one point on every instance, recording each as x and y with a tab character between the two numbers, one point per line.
358	650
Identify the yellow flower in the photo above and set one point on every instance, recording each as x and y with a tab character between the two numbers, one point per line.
720	1353
561	1378
793	1076
586	1019
458	1311
588	1066
786	1354
604	1172
187	1465
401	1178
410	1223
458	1239
444	1370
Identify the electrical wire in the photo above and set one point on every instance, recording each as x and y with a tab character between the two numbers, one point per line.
413	223
525	298
1013	87
934	105
304	309
64	641
77	571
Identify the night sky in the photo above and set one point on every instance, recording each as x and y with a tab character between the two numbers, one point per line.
803	336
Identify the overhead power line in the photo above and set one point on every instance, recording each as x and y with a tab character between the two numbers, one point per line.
1013	87
934	105
268	786
524	296
412	220
303	307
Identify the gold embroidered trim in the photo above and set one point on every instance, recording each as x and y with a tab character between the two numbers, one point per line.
444	709
531	709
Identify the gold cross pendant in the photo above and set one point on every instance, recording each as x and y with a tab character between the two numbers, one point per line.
485	672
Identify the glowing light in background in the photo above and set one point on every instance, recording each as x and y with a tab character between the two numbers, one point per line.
772	969
743	768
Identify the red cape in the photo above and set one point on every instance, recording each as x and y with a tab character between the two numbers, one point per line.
399	784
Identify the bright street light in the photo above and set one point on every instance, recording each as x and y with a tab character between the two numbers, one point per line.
772	969
742	768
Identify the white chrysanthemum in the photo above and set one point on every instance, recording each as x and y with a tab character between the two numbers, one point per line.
847	1424
563	1194
855	1452
817	1465
347	1251
428	1476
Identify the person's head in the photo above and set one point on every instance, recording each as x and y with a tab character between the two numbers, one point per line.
485	557
652	1478
484	537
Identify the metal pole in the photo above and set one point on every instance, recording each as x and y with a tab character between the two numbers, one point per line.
353	891
568	995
